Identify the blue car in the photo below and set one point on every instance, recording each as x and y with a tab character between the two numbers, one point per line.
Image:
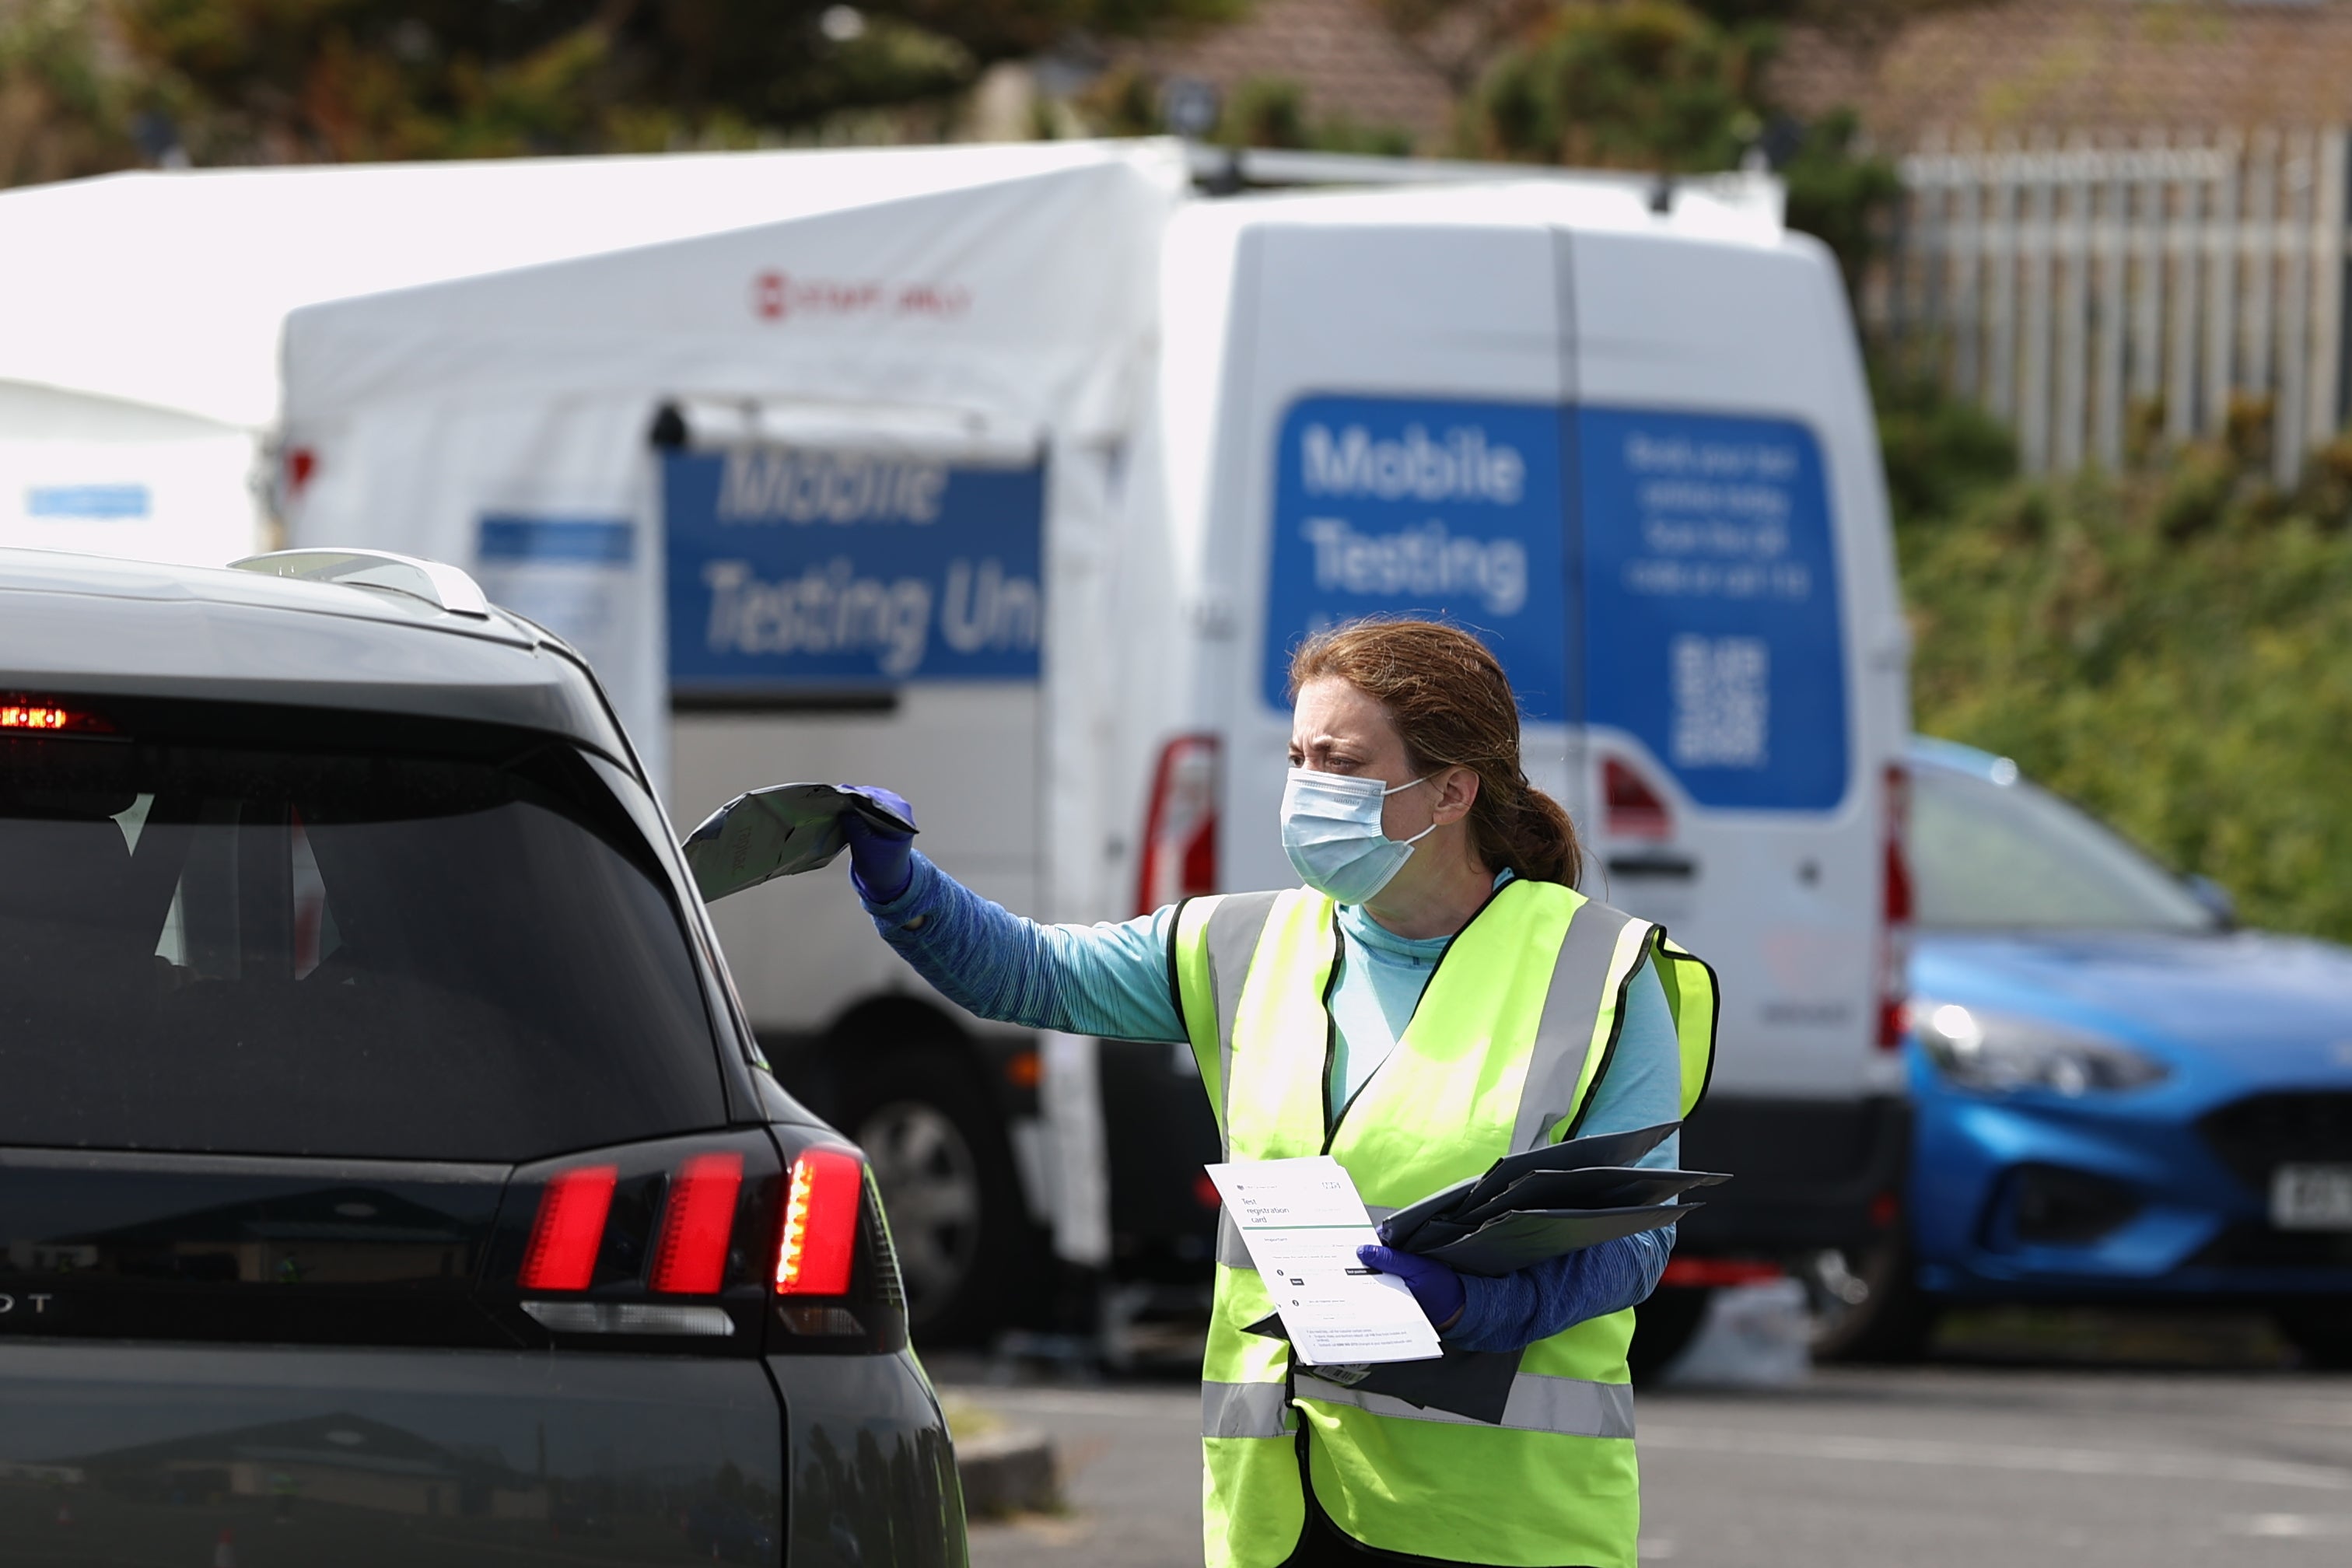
2121	1095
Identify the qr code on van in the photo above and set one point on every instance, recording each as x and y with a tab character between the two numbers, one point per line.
1723	703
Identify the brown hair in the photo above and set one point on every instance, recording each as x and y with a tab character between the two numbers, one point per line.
1452	702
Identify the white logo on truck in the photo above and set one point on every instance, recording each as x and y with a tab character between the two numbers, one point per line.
1461	468
805	485
830	608
1429	560
825	609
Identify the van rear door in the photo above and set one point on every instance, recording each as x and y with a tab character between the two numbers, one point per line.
1745	665
1738	583
1398	449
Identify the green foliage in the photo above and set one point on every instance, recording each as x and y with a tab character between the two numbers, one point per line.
1664	85
1648	84
1264	112
1122	101
60	113
284	80
1271	111
1940	452
1840	195
2170	647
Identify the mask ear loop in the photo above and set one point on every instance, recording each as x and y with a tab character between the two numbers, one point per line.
1425	832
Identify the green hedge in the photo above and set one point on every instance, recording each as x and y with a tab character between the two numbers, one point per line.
2170	647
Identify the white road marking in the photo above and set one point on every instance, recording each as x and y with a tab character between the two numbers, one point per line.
2290	1526
1152	1404
2119	1462
2317	1413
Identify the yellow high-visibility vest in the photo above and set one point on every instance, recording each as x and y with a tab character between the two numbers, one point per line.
1510	1039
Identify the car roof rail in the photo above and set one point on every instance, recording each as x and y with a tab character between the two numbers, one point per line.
435	582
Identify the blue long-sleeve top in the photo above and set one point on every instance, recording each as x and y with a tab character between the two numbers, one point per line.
1112	980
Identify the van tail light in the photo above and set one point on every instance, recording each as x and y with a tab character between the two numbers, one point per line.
570	1230
1717	1273
1894	933
1634	809
1179	829
820	1233
691	1258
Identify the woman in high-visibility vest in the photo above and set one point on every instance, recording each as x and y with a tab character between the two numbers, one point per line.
1436	995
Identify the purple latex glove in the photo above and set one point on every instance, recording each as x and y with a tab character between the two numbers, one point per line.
880	863
1437	1288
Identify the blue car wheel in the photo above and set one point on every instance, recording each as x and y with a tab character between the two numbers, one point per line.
2321	1330
1870	1309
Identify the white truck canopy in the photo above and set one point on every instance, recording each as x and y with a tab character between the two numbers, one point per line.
140	313
945	302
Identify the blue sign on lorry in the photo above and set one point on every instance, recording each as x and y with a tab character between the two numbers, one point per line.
798	567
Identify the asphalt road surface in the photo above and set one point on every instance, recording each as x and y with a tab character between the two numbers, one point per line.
1929	1468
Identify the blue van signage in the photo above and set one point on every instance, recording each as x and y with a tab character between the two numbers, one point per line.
792	567
1394	506
1712	622
1670	574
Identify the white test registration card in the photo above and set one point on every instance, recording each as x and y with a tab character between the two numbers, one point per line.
1302	1221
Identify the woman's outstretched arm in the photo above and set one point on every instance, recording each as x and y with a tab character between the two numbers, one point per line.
1105	979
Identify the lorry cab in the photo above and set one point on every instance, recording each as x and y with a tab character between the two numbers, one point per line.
1632	449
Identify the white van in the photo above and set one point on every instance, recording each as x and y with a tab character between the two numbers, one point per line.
1633	449
1623	433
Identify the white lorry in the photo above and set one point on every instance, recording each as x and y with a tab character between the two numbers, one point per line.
1012	494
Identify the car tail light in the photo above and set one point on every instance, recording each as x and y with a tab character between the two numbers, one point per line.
820	1233
1180	831
1894	933
691	1258
570	1230
1633	808
717	1244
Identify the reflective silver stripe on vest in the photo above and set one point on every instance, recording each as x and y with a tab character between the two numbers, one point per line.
1538	1403
1231	1250
1245	1410
1564	1029
1234	927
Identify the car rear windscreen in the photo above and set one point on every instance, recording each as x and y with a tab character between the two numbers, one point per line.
270	947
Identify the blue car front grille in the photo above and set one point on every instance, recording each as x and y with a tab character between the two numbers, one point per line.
2254	1135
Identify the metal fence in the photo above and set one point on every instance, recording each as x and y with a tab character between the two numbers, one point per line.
2074	286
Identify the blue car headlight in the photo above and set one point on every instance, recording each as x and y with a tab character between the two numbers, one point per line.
2000	1052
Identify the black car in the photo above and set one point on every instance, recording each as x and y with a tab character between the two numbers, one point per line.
386	1172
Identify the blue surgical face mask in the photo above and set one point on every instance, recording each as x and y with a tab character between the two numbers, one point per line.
1331	829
